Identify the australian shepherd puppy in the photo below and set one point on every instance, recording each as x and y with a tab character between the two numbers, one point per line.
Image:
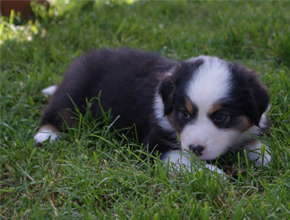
213	105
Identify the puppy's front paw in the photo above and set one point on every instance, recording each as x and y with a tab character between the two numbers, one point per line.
258	153
179	160
214	168
263	160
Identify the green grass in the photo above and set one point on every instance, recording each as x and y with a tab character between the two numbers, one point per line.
95	172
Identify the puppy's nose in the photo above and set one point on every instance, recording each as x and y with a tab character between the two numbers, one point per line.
196	149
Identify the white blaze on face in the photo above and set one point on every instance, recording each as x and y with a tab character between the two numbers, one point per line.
208	85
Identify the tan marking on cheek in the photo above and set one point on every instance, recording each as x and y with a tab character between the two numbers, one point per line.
189	107
243	124
173	123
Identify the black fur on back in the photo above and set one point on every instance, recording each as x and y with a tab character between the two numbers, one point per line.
128	79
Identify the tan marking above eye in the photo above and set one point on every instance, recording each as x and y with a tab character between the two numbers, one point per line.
215	107
189	107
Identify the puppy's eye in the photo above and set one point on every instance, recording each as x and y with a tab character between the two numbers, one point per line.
185	115
219	118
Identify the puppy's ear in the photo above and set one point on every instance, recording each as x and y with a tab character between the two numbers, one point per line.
167	90
259	100
253	94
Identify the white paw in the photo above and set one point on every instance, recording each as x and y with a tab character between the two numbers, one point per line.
263	160
258	153
214	168
42	136
179	161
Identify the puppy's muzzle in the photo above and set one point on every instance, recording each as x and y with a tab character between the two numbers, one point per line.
197	150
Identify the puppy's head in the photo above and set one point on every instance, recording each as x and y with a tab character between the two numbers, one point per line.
211	103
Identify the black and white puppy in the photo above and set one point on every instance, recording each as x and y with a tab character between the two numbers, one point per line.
213	105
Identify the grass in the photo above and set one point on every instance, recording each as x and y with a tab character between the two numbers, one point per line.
96	173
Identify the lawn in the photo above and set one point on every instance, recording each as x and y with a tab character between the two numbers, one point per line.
94	172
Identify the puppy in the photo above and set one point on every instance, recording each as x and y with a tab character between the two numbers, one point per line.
213	105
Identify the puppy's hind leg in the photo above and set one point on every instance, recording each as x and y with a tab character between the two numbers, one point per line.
46	132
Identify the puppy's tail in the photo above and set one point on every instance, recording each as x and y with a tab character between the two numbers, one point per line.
49	90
